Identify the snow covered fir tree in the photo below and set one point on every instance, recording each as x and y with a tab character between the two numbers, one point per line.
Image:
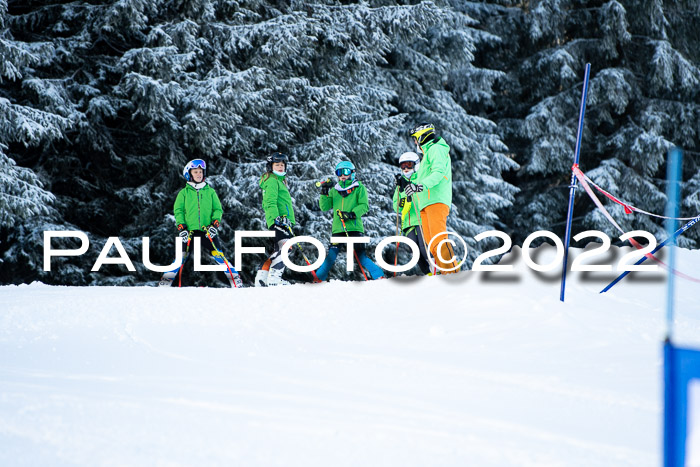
104	103
643	99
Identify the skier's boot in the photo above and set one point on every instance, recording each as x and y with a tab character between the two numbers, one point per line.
167	279
236	282
275	278
261	278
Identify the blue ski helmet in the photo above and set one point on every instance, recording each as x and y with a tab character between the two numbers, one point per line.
194	164
345	168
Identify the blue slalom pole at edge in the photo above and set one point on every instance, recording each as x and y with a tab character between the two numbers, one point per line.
572	187
673	175
680	365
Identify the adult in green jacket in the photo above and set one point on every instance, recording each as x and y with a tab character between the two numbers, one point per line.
409	163
348	200
198	213
279	217
435	174
433	188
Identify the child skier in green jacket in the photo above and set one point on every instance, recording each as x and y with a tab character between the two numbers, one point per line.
348	199
279	217
198	213
409	162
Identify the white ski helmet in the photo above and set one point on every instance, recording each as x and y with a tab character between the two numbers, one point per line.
410	157
194	164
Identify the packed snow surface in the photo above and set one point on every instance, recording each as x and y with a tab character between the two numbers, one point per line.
475	369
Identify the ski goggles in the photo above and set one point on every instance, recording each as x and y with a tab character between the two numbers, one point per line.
344	171
198	163
407	165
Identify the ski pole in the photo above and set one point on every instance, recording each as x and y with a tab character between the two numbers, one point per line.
675	235
342	221
206	232
313	273
419	228
187	254
398	208
422	234
318	184
396	252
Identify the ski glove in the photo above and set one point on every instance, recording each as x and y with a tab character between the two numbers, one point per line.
401	181
325	187
282	221
346	216
183	233
213	229
412	188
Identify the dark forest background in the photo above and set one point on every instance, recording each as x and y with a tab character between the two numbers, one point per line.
104	102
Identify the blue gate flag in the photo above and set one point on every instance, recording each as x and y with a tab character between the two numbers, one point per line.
680	367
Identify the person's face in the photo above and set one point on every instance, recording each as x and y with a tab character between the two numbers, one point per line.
407	168
278	166
415	140
197	175
344	177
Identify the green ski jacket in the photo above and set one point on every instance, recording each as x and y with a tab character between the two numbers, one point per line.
435	174
197	208
410	216
276	199
355	201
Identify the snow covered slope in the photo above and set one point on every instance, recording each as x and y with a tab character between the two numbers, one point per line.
477	369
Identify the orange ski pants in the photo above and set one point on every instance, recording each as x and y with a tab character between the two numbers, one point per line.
434	221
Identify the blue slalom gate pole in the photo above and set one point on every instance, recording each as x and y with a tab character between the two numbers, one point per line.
675	235
674	416
572	187
673	174
678	363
